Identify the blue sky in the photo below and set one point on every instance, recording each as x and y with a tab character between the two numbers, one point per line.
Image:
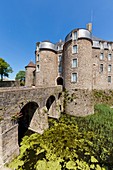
25	22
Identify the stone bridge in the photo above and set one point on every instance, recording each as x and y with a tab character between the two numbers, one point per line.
22	109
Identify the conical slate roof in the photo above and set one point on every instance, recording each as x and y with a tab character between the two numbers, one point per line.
31	64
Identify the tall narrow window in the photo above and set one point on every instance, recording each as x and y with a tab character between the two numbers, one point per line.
101	68
101	56
59	58
74	77
74	63
38	57
60	69
75	49
109	68
38	68
75	35
101	46
109	79
109	46
109	57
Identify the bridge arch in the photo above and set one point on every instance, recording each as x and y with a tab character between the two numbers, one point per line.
27	113
50	101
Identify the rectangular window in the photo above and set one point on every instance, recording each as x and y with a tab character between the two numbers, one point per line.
109	57
101	56
59	58
38	68
101	68
74	63
75	35
38	57
109	46
101	46
105	45
109	79
75	49
60	69
109	68
74	77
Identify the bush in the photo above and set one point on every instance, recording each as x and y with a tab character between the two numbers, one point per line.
71	143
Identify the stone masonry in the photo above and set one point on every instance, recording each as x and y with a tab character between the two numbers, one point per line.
22	100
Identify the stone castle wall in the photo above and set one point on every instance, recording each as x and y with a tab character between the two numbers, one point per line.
9	83
100	78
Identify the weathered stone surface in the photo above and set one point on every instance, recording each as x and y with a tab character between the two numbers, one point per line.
12	102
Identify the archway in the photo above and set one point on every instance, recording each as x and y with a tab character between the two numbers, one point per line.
60	81
27	113
49	102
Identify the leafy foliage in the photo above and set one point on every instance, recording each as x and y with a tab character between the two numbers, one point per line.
72	143
5	68
21	77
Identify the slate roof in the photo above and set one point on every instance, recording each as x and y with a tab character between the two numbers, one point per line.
31	64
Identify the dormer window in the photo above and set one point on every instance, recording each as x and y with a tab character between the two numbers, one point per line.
109	46
101	46
75	35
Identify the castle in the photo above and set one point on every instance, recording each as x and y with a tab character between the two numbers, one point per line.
81	62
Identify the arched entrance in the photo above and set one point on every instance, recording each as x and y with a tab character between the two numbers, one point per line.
60	81
27	113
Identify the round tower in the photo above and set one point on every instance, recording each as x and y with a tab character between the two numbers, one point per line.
77	60
77	70
30	74
46	64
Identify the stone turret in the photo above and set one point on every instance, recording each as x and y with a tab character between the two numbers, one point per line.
46	64
30	74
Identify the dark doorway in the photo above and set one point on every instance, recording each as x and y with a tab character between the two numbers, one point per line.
27	113
49	102
60	81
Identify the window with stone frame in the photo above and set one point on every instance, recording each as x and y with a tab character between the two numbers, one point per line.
75	49
38	68
109	68
75	35
74	77
74	63
109	79
101	68
109	57
59	58
101	56
38	57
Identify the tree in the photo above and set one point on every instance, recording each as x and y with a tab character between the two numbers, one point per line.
21	77
5	68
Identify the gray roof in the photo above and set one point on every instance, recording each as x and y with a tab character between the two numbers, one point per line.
97	39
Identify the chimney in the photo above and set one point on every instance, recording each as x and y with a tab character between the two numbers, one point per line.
89	27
